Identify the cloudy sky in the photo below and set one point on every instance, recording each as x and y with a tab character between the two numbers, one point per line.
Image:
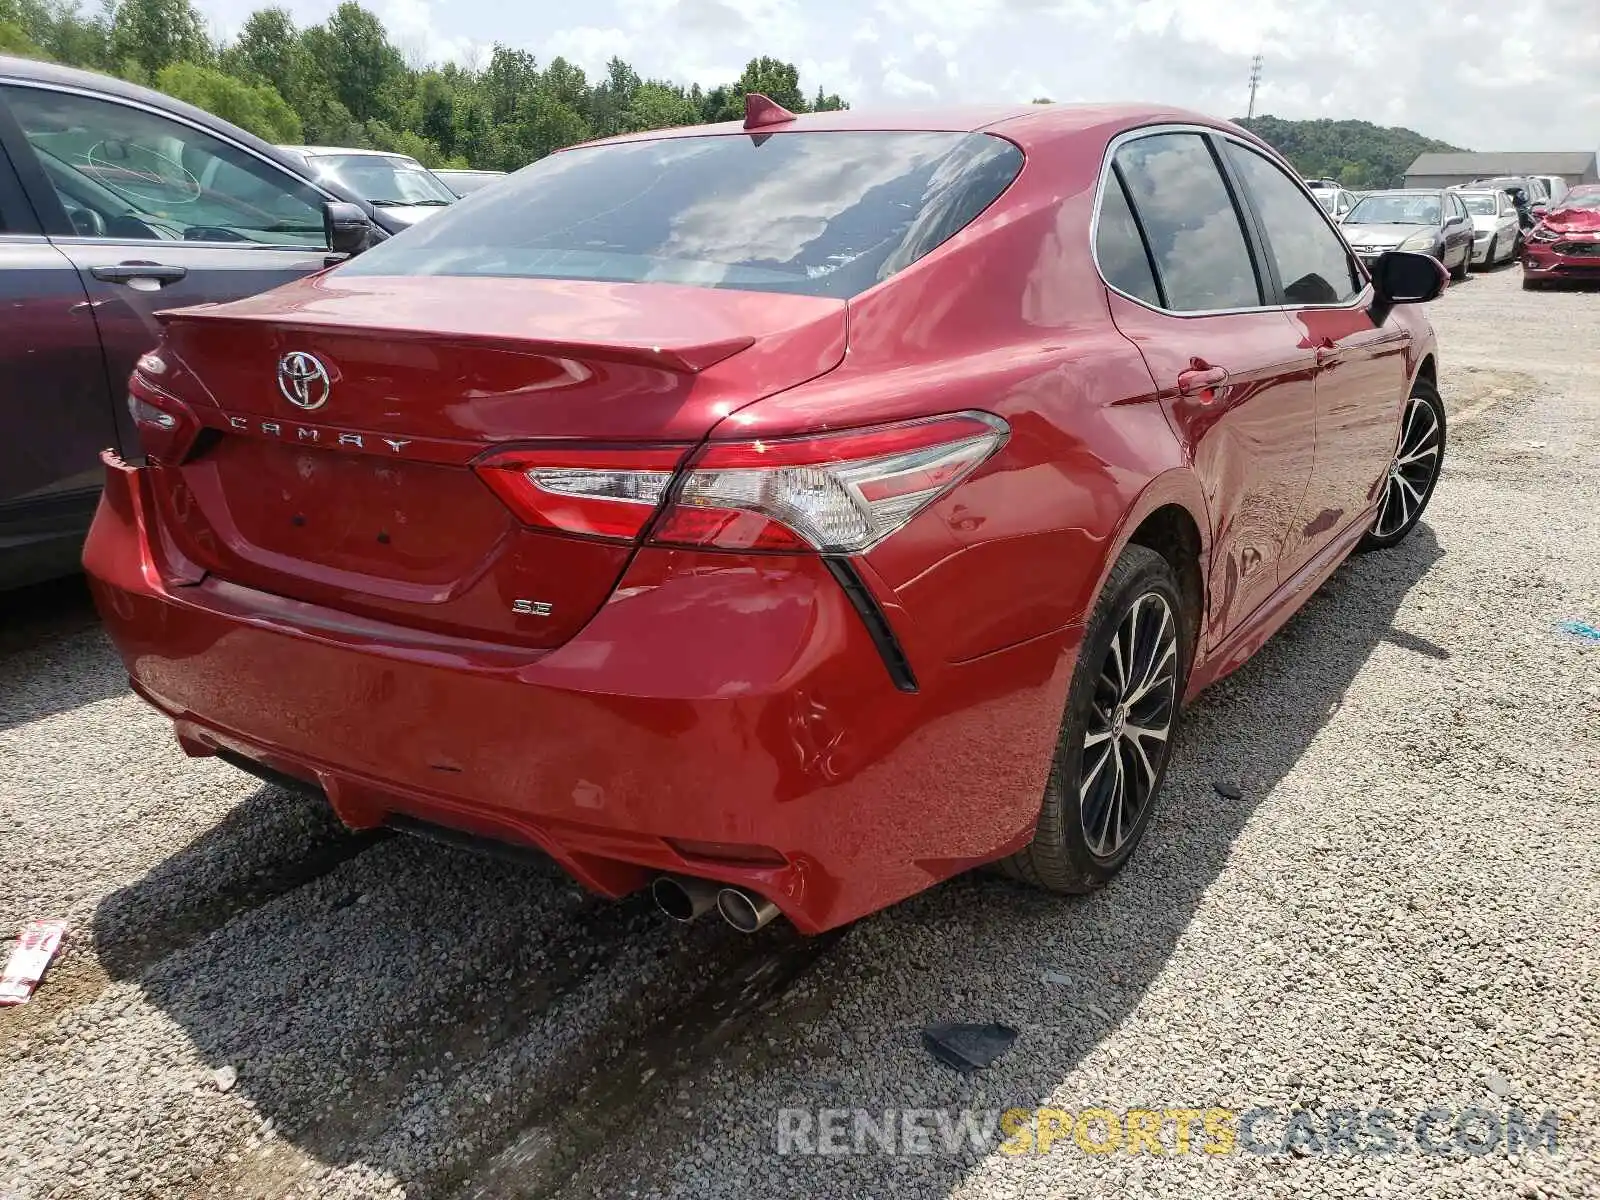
1486	74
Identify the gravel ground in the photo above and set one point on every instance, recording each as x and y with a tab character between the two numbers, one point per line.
1398	913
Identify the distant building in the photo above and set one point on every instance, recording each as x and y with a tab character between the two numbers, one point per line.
1444	170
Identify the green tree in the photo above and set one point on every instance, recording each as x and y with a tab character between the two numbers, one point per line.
659	106
344	83
15	40
253	106
152	34
353	53
827	102
1357	153
544	124
775	80
510	75
268	49
58	29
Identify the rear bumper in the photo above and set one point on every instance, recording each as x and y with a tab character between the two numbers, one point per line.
714	699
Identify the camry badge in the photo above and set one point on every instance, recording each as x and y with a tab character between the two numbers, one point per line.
303	380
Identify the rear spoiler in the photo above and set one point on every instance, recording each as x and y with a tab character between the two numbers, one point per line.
687	356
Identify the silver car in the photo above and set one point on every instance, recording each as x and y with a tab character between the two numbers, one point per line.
1496	234
1427	221
1336	201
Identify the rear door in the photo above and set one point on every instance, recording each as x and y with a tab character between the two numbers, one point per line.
55	408
156	213
1360	367
1190	290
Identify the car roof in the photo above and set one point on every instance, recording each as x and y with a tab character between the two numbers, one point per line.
1024	124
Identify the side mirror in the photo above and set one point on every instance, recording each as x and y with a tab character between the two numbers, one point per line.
1400	277
348	230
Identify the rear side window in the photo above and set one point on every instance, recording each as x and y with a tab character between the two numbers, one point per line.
1120	250
1202	259
823	214
1313	264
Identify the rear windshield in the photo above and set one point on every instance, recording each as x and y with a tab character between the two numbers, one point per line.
821	214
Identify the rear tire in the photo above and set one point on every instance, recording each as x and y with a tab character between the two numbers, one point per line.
1104	780
1409	482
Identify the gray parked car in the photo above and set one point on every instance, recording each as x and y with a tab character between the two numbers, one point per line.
1428	221
117	202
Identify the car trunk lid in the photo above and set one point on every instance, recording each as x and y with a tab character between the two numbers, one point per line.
354	488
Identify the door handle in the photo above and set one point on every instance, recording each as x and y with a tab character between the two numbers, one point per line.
158	273
1200	379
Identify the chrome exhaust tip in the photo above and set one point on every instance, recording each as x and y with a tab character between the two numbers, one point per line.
745	911
683	899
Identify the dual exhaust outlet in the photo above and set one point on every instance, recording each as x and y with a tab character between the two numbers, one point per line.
684	899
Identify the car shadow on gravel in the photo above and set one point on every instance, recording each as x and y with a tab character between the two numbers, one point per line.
413	1008
1065	972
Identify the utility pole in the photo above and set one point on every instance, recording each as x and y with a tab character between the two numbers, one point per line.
1255	82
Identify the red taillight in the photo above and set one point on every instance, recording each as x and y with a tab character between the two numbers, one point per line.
838	493
608	493
167	428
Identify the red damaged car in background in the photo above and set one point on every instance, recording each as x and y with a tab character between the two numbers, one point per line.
788	515
1565	244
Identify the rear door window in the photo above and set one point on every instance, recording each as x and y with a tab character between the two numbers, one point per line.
823	214
1194	230
1119	248
1312	262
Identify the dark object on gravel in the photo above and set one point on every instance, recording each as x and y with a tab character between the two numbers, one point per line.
1228	789
968	1048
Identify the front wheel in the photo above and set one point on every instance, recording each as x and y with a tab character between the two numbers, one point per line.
1488	258
1462	271
1409	483
1116	734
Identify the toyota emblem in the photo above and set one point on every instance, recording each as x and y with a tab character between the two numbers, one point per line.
303	380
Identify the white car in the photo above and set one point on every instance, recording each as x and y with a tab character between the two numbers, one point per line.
1335	201
397	183
1556	185
1496	235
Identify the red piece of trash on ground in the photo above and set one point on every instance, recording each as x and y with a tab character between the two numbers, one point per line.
32	954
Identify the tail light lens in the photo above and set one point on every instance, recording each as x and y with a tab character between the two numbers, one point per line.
167	429
596	492
838	494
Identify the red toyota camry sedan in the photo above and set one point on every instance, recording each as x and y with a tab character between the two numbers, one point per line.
785	516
